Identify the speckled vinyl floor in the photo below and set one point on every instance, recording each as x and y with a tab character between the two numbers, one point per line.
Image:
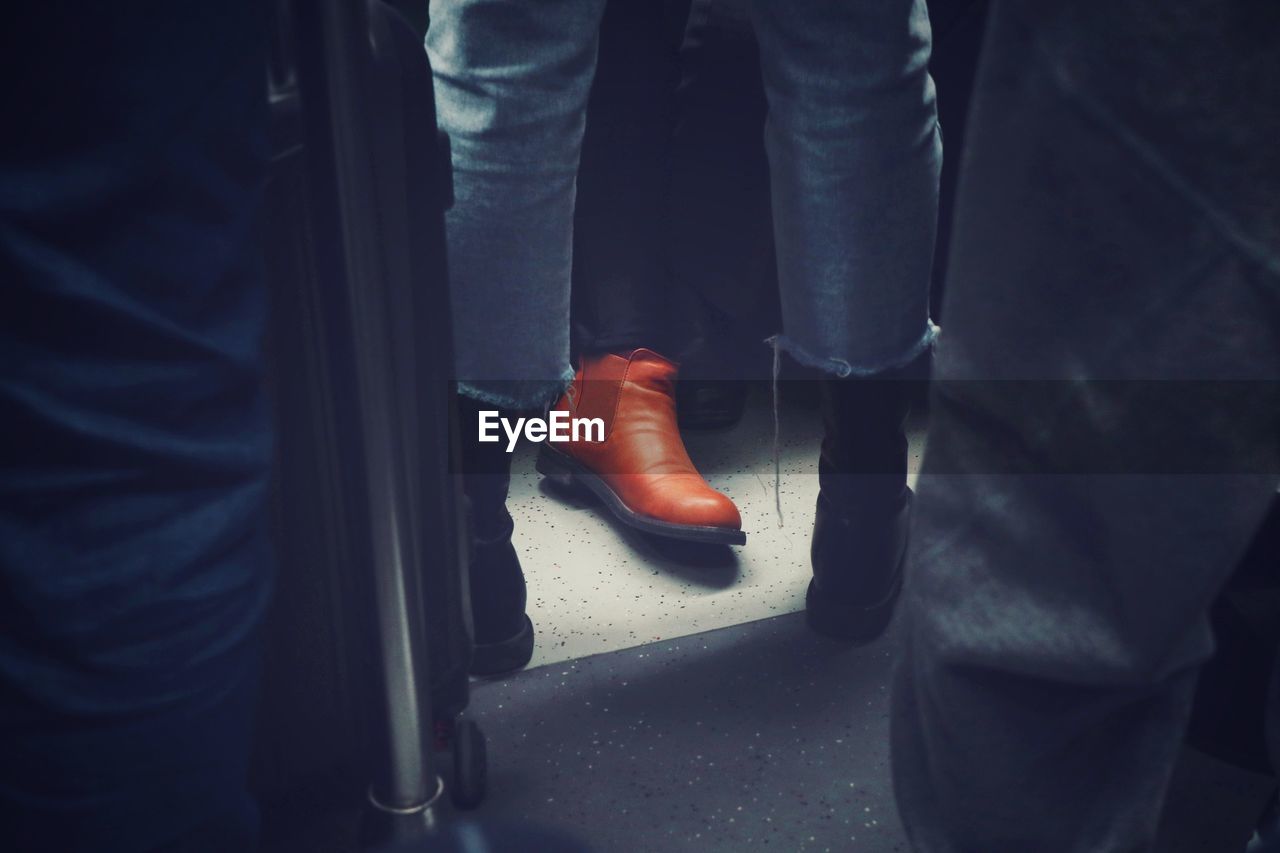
596	585
676	702
757	736
664	712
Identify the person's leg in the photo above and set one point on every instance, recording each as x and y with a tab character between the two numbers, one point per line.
503	631
627	312
1103	444
721	227
134	566
863	507
511	87
854	155
623	296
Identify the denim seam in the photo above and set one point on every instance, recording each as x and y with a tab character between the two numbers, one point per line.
843	369
544	391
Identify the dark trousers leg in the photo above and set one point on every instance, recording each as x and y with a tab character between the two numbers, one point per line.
134	569
622	291
1071	533
721	217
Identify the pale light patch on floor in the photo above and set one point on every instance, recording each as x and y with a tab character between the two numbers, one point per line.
596	585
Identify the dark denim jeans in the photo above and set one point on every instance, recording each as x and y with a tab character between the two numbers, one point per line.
673	236
134	441
1105	433
623	292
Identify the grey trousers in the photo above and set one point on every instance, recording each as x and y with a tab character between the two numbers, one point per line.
1106	430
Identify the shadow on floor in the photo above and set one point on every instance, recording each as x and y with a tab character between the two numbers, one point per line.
693	563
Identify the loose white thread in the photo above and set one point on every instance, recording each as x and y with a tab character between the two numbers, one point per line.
777	453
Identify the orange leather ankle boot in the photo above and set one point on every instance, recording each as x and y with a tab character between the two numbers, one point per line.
641	470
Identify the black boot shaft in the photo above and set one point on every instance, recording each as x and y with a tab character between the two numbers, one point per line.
486	473
863	461
860	525
503	635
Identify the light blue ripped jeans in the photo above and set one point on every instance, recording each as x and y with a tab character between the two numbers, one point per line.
854	152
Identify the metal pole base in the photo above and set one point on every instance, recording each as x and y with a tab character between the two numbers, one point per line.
384	825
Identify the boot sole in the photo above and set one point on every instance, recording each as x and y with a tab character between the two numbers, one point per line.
858	624
489	659
566	472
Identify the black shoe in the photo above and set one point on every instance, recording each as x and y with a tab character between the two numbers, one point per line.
860	527
503	632
858	557
710	403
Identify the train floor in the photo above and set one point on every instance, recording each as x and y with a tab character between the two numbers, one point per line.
596	585
755	736
676	701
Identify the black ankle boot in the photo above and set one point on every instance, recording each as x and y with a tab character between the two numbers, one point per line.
503	632
860	530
